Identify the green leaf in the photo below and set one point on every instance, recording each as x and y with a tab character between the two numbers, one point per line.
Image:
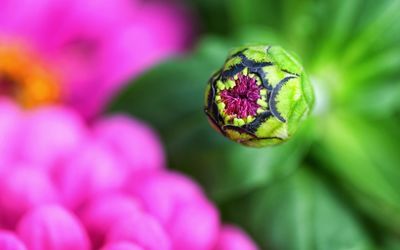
381	101
299	213
391	243
171	98
363	155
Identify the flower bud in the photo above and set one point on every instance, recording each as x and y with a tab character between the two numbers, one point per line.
259	97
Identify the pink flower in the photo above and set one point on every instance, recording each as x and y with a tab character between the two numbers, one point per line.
83	188
81	52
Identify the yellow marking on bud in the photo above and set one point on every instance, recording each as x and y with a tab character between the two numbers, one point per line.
263	92
238	122
220	85
262	103
235	77
221	106
227	119
260	110
218	97
230	84
245	71
249	119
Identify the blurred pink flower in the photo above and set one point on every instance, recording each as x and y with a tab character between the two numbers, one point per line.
67	185
81	52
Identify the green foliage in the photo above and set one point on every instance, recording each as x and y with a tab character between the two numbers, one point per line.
299	213
363	154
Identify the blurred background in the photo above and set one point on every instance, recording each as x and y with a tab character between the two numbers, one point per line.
335	185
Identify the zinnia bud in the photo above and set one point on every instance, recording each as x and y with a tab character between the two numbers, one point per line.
259	97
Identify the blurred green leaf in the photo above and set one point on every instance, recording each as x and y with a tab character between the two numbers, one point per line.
299	213
364	157
381	101
170	97
391	243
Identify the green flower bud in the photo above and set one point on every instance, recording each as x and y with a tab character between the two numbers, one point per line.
259	97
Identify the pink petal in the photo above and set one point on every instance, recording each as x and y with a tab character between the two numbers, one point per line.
10	117
104	212
92	170
233	238
30	19
122	246
194	226
141	229
133	141
163	30
162	192
52	228
179	204
9	241
49	135
22	188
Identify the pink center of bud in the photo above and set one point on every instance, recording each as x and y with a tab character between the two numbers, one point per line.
241	100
